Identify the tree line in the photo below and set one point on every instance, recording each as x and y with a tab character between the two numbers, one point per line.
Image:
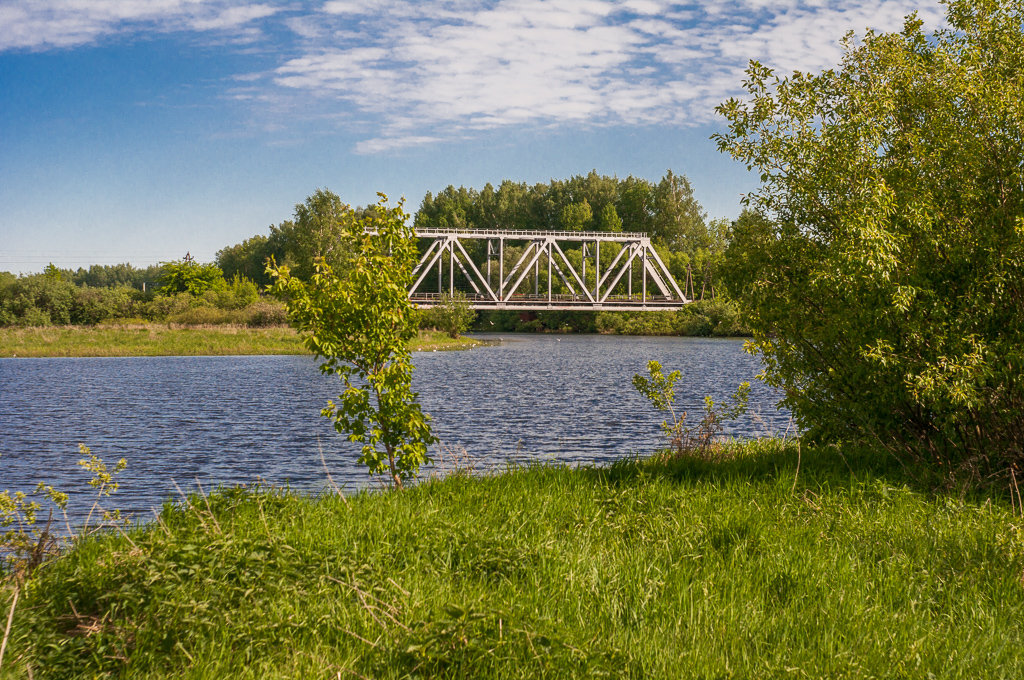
691	245
881	267
185	291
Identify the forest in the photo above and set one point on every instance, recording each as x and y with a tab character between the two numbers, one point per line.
232	289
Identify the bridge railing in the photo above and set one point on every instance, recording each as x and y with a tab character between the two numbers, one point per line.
530	234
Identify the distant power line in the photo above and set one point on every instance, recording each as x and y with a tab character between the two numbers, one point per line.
92	258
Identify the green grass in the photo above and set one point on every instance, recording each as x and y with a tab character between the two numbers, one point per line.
642	570
151	339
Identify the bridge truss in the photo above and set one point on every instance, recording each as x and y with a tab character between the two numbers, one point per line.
634	279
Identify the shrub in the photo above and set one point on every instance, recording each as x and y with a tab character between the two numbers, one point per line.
240	292
697	440
203	315
264	313
452	315
360	323
164	306
188	276
93	305
37	300
884	281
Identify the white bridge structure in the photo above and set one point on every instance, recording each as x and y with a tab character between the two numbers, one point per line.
633	276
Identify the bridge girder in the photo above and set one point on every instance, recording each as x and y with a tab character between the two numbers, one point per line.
544	249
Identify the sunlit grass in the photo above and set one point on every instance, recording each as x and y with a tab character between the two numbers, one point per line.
152	339
742	568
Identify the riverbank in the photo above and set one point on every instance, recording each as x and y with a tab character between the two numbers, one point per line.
758	566
152	339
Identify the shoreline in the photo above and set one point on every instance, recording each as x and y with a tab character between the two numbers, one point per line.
749	566
160	339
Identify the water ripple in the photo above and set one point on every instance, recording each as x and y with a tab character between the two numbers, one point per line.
232	420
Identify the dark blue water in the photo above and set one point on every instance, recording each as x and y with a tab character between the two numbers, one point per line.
231	420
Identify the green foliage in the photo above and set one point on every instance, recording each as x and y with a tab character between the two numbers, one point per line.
453	314
678	220
884	282
37	300
238	293
315	231
248	259
361	323
718	318
659	569
265	313
24	545
188	276
113	276
90	306
104	483
609	219
51	298
698	440
667	210
578	216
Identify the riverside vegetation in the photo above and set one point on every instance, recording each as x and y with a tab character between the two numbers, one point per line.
151	339
185	292
881	275
747	566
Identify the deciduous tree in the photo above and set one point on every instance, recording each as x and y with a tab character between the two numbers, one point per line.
886	283
360	325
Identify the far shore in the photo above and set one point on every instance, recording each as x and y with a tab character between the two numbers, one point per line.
161	339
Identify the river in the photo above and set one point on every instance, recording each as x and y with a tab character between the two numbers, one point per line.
237	420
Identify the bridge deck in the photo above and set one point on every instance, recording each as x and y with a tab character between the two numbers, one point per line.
577	303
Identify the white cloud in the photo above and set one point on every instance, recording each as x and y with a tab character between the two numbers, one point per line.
427	70
47	24
385	144
409	72
232	16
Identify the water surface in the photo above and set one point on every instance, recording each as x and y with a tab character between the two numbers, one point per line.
234	420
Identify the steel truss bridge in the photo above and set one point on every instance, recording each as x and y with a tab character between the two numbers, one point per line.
613	287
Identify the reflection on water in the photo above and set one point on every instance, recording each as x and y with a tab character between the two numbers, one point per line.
231	420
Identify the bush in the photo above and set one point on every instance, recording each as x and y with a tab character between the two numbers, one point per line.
164	306
240	292
93	305
452	315
360	324
719	317
884	282
203	315
37	300
264	313
188	276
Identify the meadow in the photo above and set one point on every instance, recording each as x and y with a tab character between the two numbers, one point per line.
168	339
769	562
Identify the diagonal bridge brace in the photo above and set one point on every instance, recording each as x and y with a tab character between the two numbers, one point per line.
612	287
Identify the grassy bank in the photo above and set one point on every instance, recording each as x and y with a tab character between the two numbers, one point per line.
737	569
151	339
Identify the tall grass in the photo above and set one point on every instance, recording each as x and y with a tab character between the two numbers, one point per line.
152	339
672	569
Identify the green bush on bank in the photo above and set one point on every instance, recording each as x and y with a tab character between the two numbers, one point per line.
719	318
882	274
53	299
740	567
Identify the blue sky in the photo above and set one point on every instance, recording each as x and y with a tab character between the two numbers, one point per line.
137	130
